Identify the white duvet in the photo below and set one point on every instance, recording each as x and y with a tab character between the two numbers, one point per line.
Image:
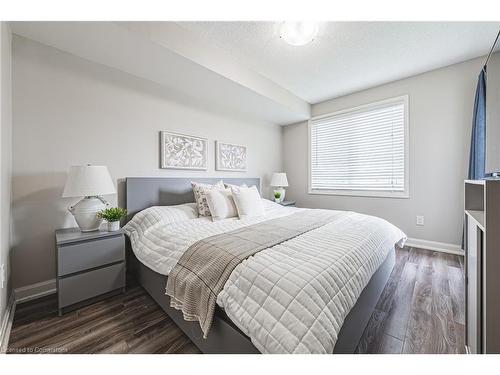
293	297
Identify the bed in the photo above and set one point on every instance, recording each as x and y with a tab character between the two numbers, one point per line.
230	334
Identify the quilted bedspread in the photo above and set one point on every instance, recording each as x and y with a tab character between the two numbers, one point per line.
292	297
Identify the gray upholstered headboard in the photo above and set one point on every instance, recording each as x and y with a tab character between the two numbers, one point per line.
144	192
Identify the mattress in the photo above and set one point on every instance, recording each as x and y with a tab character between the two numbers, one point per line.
293	297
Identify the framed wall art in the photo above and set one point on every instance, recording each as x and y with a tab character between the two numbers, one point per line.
230	157
181	151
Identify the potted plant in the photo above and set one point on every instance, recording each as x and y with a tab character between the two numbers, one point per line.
277	196
112	215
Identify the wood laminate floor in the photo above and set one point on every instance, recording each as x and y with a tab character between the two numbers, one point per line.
421	310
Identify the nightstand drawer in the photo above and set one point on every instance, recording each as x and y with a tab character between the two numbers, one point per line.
81	256
86	285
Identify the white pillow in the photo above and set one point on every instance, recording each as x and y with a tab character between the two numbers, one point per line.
221	204
237	187
160	215
200	191
248	202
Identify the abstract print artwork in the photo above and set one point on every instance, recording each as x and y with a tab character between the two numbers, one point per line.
230	157
180	151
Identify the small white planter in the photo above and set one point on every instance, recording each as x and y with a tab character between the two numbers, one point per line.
277	200
113	226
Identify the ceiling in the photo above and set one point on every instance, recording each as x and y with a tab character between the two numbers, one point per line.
184	69
347	56
244	69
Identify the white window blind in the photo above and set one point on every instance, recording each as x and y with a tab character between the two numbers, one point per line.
360	150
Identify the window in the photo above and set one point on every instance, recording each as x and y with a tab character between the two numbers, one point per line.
361	151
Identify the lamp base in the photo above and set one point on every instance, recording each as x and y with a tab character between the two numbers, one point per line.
85	213
282	193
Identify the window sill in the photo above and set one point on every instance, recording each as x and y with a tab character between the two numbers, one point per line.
362	193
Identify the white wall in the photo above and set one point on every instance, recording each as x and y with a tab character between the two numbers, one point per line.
5	157
440	105
69	111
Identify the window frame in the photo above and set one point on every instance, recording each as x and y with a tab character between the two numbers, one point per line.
405	194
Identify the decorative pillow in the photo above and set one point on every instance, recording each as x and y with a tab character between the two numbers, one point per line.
248	202
236	187
221	204
200	191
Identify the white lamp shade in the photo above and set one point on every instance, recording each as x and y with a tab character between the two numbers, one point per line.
88	180
279	179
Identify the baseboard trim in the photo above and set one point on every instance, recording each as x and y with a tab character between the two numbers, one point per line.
6	322
29	292
435	246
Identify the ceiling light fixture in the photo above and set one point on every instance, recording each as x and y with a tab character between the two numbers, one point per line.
298	33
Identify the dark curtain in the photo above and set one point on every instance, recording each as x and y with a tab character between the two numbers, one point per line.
478	138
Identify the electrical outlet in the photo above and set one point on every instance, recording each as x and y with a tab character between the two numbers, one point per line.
420	220
2	275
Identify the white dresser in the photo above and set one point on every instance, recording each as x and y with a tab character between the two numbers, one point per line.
482	265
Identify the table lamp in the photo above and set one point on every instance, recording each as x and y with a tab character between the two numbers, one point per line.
280	181
89	182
